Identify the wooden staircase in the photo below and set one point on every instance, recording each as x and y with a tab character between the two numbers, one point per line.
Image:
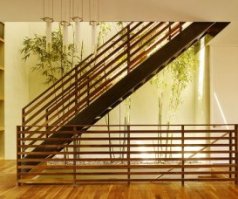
100	82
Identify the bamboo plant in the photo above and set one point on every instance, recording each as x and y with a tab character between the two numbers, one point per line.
170	84
51	63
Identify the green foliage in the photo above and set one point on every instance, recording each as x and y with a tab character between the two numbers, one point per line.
172	81
181	70
127	117
104	29
53	61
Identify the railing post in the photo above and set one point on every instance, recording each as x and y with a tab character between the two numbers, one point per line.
109	137
18	155
128	155
236	154
23	117
128	50
170	31
23	125
76	89
182	144
88	91
180	27
66	155
47	122
75	155
230	154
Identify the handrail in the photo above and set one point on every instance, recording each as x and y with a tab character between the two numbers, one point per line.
75	91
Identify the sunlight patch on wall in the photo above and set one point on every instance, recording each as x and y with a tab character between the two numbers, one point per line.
220	109
201	72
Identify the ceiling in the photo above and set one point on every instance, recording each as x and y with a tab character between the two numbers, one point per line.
127	10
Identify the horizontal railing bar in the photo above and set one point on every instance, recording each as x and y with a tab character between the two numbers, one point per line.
145	125
122	159
132	173
141	166
123	152
151	179
123	145
132	138
121	131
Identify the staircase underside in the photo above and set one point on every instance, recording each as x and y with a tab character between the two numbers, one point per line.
150	67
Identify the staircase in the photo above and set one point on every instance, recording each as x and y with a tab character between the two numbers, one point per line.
100	82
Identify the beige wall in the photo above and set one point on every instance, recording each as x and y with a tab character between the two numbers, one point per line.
144	107
16	84
224	73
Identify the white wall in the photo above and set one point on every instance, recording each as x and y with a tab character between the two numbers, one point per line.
16	84
224	76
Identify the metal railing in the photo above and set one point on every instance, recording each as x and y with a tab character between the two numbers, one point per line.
128	153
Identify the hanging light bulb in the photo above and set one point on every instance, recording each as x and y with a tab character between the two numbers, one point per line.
77	18
93	23
48	21
65	22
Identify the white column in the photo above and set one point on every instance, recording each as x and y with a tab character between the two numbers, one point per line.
202	95
77	38
65	34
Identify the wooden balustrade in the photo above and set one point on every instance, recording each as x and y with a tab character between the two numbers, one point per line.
96	74
128	153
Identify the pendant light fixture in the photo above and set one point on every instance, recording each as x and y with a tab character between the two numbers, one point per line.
77	14
93	16
70	10
48	19
65	21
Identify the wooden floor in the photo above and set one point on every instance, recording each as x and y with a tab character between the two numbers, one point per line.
191	190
